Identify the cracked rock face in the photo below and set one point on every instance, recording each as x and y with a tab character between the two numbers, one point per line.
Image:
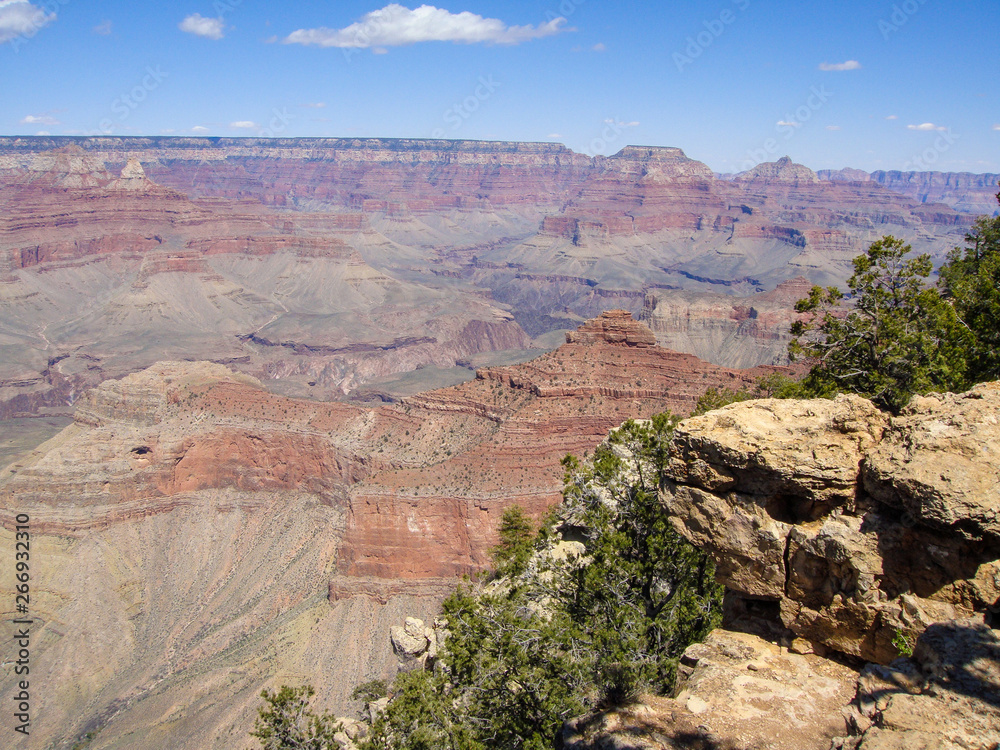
853	529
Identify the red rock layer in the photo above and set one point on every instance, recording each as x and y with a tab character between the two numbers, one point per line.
65	206
639	189
423	483
440	519
963	191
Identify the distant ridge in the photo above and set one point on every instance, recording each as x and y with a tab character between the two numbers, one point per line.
902	181
98	142
968	192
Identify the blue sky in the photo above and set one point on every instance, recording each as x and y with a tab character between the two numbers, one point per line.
899	84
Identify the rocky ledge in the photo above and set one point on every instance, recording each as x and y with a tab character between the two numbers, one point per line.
848	529
860	555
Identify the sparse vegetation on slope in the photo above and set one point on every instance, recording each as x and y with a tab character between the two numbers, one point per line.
287	721
591	610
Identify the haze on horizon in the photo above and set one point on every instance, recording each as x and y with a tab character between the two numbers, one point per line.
901	84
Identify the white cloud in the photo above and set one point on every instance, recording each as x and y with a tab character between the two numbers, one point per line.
892	117
313	105
210	28
21	18
849	65
43	132
788	124
554	135
104	28
926	126
997	126
394	26
833	127
39	120
243	124
599	47
199	129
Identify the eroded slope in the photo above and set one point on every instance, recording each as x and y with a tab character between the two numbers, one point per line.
197	537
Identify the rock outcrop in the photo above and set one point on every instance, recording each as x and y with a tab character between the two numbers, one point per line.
499	439
735	691
939	464
416	644
963	191
727	330
943	698
613	327
783	170
133	177
842	536
225	535
850	528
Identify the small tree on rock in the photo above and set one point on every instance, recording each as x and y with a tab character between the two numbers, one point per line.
899	338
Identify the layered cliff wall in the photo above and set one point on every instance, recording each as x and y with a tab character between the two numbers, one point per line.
322	265
196	537
963	191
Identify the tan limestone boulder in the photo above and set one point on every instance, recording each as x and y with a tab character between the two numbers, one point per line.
796	459
412	639
748	546
735	690
940	462
855	531
943	698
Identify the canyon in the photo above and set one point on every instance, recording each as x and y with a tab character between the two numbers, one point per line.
195	537
370	267
303	378
964	191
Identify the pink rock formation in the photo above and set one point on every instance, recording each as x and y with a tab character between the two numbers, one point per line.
613	327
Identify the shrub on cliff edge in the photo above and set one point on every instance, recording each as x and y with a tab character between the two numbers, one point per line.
286	721
592	610
900	336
